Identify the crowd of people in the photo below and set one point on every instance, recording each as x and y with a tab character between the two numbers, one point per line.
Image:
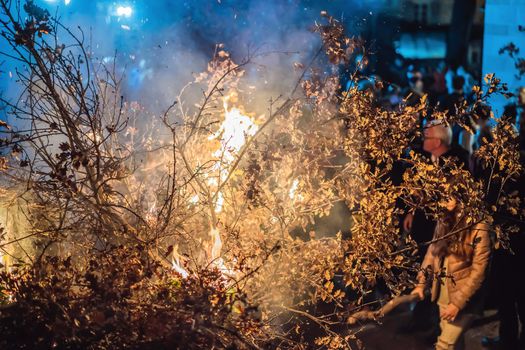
477	275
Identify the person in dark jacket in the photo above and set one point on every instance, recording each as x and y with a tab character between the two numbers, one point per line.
452	103
437	145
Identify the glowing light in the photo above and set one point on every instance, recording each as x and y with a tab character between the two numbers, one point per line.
125	27
225	270
67	2
295	184
124	11
94	137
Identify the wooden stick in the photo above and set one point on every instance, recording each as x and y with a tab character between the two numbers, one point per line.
368	315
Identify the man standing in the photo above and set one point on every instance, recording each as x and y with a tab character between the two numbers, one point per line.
437	145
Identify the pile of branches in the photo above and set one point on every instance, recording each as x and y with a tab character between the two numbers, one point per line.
120	299
125	241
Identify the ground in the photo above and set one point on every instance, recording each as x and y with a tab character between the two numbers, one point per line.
387	337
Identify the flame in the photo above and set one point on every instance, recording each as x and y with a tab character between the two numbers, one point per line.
175	262
232	136
233	133
177	267
216	259
225	270
151	202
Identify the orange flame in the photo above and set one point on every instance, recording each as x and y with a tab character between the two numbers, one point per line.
176	263
232	135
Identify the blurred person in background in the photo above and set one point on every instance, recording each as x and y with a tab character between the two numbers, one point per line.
450	103
416	87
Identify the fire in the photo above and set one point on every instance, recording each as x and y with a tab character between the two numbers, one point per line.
177	267
176	262
233	133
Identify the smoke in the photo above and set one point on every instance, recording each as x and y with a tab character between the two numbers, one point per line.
162	44
160	47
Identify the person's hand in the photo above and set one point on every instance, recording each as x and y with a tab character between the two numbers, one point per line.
419	291
449	313
407	222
